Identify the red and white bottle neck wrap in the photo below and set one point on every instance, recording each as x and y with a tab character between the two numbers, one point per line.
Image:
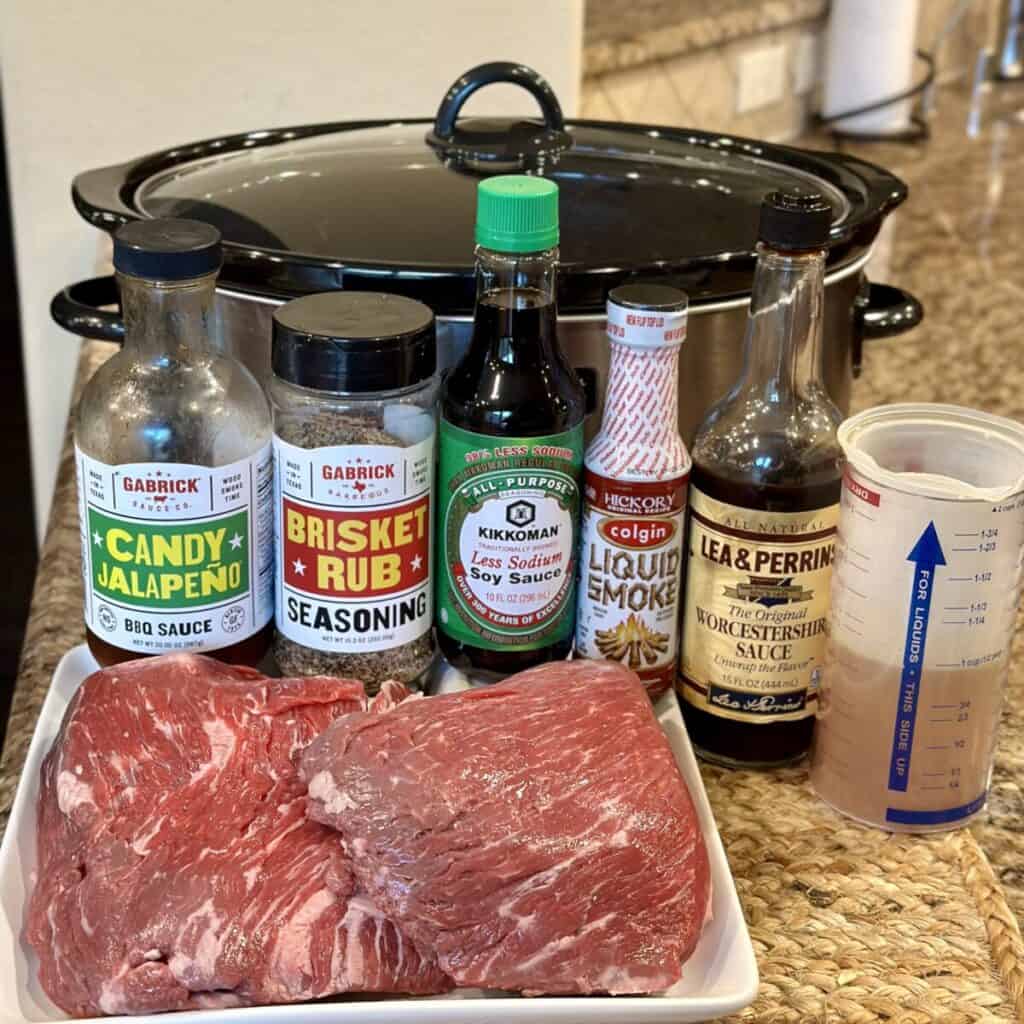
639	435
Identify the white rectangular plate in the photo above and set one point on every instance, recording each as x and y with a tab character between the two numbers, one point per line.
719	978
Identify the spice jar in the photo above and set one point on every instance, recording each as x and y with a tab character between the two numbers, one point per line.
353	394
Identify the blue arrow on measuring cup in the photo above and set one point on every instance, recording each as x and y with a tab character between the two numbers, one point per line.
926	554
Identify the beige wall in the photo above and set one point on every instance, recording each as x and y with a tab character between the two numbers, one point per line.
94	82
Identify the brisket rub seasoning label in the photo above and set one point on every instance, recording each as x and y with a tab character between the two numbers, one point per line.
353	545
174	556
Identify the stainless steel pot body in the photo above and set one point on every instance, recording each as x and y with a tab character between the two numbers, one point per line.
710	361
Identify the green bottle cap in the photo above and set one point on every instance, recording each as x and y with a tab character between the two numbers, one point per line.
517	213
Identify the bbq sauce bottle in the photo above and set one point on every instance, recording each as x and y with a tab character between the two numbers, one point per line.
764	503
511	450
175	475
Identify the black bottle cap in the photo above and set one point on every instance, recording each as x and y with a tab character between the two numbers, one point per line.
354	342
167	249
795	219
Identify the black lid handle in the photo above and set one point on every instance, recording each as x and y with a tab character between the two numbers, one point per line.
486	74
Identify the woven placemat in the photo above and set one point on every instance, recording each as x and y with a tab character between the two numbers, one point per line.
853	924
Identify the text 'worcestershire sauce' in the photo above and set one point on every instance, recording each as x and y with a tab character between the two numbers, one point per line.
764	505
511	450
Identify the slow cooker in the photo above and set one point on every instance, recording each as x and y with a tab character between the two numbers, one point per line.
389	205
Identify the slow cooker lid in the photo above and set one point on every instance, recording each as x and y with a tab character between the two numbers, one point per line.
391	205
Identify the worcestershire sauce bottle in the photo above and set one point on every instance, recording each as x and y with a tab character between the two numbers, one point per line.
511	450
764	504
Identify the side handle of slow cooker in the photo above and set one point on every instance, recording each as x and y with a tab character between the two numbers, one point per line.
881	311
78	309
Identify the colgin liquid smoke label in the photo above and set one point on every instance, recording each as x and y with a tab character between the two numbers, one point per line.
176	557
353	545
630	569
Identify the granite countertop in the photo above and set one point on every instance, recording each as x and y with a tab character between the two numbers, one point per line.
956	245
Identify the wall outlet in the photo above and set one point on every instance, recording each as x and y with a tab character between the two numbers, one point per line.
805	64
761	78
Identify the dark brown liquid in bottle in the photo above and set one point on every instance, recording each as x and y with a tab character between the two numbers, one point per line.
250	651
512	382
725	740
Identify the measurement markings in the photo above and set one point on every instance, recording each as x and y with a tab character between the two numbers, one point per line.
966	549
933	787
856	593
946	747
962	579
977	533
940	721
946	664
957	607
954	622
856	618
932	775
944	707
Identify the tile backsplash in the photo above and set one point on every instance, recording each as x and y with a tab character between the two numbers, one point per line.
677	62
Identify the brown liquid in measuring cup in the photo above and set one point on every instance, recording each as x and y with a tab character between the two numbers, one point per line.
249	652
954	732
738	742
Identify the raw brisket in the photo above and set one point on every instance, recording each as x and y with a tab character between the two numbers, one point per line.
535	835
176	866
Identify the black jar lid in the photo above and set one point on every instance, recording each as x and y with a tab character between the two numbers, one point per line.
354	342
167	249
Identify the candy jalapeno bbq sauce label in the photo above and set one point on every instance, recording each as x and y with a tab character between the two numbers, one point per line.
507	537
755	624
353	545
176	557
630	569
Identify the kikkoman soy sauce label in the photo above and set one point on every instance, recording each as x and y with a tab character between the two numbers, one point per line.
755	622
507	537
176	557
353	545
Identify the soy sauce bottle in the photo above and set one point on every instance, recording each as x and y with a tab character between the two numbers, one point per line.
764	504
511	450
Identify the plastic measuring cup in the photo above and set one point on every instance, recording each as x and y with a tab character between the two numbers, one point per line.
926	582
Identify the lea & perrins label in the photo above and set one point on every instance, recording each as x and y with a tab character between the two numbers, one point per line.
755	622
353	529
176	556
630	570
